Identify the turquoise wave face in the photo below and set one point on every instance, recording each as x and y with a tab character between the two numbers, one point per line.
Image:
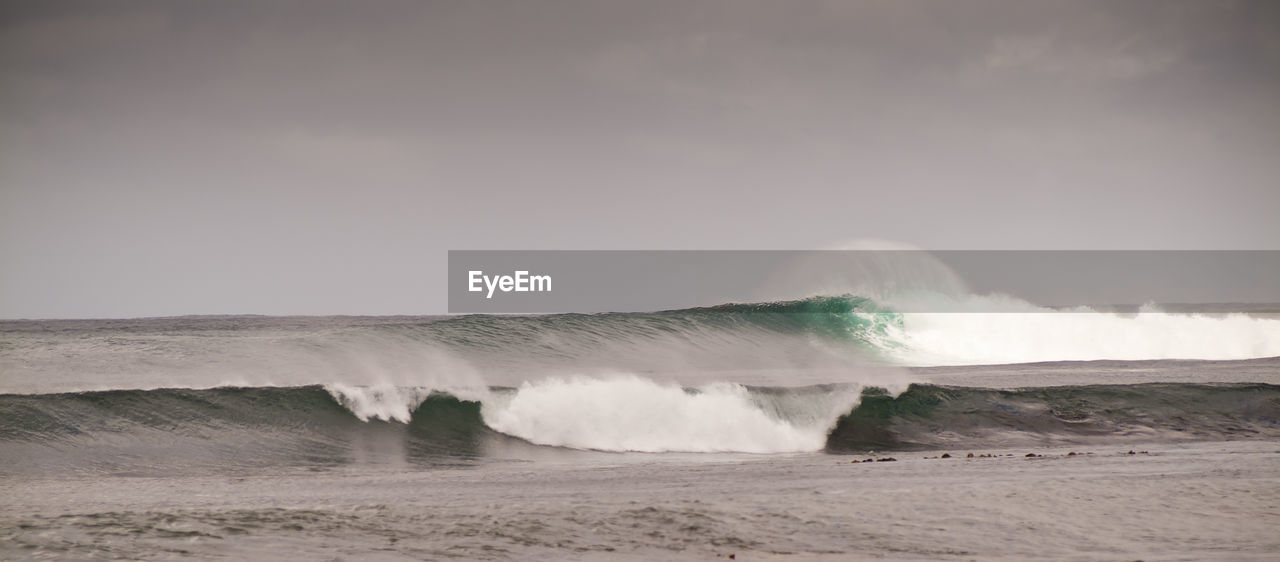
843	317
859	327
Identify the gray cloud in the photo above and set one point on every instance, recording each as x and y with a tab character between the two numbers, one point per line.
320	157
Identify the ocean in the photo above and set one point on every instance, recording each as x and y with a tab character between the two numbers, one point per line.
822	428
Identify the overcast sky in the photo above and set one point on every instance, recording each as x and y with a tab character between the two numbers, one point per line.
321	157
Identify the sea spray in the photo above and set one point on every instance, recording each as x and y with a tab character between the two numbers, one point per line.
393	403
384	402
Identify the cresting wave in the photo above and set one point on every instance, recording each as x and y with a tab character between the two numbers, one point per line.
787	343
630	413
314	425
973	330
977	330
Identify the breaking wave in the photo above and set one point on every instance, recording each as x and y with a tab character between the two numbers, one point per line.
318	425
975	330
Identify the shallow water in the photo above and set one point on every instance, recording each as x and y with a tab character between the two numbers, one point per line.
1191	501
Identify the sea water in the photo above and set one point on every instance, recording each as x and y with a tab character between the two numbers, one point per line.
807	429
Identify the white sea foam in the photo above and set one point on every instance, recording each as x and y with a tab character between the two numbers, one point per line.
1037	334
631	413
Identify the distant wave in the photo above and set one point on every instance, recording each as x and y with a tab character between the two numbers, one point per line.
972	331
797	342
